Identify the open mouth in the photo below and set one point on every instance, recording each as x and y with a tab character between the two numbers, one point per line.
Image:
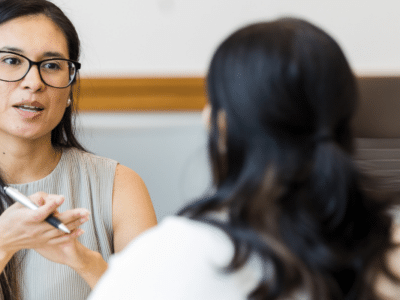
28	108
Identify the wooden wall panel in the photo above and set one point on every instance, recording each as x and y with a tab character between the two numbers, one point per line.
141	94
378	113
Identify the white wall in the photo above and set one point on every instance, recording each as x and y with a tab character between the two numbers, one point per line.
177	37
168	150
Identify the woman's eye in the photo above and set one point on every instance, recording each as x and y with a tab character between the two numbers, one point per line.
51	66
11	61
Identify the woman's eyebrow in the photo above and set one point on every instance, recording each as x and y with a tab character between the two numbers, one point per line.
13	49
53	54
47	54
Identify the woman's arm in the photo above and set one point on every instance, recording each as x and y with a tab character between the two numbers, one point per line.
133	212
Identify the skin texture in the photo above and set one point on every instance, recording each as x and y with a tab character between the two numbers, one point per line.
26	155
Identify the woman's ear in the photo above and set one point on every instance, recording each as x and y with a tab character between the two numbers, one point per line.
221	125
222	145
222	132
206	116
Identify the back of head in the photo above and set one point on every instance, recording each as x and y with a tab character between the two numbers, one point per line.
282	84
287	179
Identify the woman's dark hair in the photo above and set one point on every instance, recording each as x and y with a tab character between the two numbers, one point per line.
283	169
62	136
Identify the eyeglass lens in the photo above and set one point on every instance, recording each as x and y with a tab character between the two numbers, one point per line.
56	73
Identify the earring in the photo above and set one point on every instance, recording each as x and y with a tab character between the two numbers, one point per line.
68	102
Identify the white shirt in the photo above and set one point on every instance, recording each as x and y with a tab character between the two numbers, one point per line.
178	259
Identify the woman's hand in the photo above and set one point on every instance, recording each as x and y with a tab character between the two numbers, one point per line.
89	264
66	249
23	228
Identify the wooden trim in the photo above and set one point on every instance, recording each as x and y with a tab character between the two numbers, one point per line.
377	114
141	94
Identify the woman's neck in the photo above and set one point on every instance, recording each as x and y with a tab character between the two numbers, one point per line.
23	161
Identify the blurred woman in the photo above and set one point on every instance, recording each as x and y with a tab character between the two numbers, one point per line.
292	217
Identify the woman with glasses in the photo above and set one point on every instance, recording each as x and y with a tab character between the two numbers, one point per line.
292	217
104	205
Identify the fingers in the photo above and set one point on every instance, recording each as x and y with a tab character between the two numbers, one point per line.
63	238
73	215
72	219
75	224
50	205
39	198
46	205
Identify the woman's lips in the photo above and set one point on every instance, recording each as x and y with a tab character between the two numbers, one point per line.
29	109
36	104
28	114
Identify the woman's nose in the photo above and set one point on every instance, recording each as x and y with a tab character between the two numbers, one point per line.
32	80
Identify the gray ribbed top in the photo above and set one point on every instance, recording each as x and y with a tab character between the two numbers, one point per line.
86	181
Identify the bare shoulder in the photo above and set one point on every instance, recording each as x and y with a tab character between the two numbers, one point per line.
126	176
133	210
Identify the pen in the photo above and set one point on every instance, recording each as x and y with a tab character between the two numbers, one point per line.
17	196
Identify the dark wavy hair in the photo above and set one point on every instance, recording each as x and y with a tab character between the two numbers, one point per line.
287	180
63	135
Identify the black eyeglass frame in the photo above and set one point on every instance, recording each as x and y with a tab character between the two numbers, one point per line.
38	63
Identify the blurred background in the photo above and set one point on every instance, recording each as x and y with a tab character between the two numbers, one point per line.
143	69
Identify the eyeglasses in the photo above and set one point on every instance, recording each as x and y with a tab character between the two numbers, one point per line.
58	73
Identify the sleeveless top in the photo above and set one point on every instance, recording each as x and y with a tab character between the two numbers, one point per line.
85	180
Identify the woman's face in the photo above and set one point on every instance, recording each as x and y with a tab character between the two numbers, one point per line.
36	37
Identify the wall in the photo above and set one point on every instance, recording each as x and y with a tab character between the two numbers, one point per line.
177	37
168	150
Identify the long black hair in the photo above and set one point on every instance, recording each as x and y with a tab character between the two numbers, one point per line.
63	135
283	169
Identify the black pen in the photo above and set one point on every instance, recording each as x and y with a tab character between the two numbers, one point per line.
21	198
